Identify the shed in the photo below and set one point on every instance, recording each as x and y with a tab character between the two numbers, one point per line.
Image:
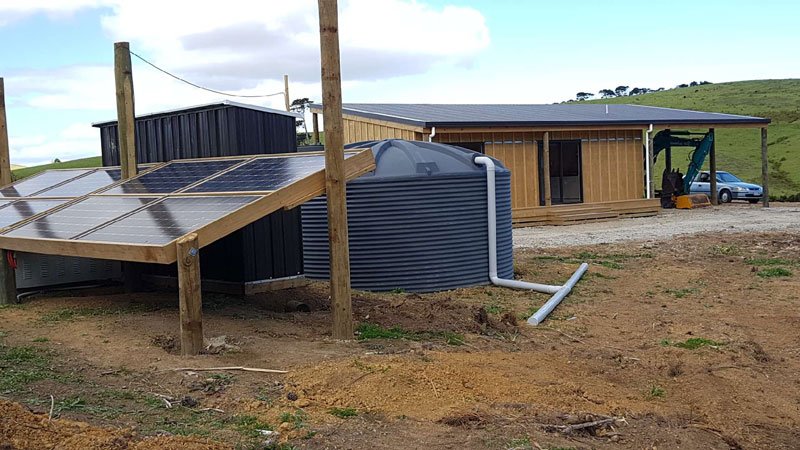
597	158
266	250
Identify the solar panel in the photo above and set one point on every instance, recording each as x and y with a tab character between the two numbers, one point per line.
36	183
263	174
84	185
13	212
79	217
172	177
165	221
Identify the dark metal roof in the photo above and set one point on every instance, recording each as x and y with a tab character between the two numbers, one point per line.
221	104
458	115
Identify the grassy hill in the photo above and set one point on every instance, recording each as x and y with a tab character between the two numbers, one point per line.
739	150
25	172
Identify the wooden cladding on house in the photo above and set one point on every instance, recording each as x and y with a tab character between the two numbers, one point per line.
360	129
612	162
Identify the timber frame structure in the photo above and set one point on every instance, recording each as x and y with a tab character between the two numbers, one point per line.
185	249
613	141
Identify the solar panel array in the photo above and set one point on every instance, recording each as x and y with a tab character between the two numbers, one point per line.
153	208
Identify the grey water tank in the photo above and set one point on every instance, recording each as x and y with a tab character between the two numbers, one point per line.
417	222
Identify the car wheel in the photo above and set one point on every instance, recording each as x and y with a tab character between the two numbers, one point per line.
725	196
754	200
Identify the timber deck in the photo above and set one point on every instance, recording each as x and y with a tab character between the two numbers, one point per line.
586	212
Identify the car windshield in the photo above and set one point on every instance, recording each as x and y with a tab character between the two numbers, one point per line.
728	178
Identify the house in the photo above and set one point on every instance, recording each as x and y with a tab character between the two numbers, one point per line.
598	165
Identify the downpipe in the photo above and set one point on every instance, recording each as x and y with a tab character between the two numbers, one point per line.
647	163
559	292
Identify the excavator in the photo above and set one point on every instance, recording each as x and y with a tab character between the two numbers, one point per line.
675	186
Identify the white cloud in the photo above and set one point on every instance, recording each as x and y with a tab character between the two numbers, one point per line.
240	42
77	140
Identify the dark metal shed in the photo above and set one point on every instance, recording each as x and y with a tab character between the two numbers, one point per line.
268	249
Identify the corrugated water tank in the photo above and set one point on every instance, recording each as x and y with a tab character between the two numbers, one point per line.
418	223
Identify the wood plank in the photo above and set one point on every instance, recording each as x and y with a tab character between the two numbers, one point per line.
190	295
546	168
315	127
90	249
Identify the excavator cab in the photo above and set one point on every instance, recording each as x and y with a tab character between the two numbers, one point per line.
675	186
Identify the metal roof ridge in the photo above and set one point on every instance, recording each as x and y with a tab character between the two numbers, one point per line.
698	112
204	105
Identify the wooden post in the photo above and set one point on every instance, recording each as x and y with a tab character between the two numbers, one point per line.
315	123
668	157
8	280
286	92
649	156
5	160
764	168
341	305
712	168
189	295
548	201
126	128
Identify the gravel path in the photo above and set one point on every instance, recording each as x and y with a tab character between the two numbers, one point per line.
731	218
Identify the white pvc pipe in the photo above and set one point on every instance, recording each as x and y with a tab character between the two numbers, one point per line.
551	304
559	291
647	161
433	133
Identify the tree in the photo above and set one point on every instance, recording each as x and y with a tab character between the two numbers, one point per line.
582	96
621	90
682	85
639	91
607	93
693	84
56	161
300	105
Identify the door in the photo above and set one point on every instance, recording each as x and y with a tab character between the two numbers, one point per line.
566	177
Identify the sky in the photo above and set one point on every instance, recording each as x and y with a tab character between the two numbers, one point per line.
56	56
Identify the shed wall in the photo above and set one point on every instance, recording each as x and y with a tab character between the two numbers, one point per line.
357	129
268	248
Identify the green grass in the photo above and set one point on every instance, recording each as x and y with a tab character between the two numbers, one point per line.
771	262
94	161
343	413
297	419
71	314
656	392
681	293
693	343
366	331
21	366
738	150
774	272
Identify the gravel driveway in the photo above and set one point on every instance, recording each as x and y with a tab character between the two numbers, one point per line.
730	218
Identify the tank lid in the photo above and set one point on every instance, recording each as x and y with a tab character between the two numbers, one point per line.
402	158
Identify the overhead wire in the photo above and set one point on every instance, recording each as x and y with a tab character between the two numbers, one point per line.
227	94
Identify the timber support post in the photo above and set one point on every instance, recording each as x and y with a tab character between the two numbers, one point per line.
5	159
126	136
548	200
341	302
190	295
764	168
286	93
712	168
8	279
126	126
315	124
668	156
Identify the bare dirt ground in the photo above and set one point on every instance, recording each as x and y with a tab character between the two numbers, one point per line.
730	218
690	342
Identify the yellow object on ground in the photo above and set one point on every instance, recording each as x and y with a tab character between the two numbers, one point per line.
692	201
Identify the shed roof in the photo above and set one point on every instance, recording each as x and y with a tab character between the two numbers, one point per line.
220	104
583	114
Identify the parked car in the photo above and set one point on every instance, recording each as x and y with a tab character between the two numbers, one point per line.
729	187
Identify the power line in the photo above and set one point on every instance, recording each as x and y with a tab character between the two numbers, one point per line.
202	87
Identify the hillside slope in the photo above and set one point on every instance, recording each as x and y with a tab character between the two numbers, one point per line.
92	161
738	150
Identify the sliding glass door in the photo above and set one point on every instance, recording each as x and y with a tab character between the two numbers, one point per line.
566	180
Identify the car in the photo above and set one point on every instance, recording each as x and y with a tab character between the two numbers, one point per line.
729	187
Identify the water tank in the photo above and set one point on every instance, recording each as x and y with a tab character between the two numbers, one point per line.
417	223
